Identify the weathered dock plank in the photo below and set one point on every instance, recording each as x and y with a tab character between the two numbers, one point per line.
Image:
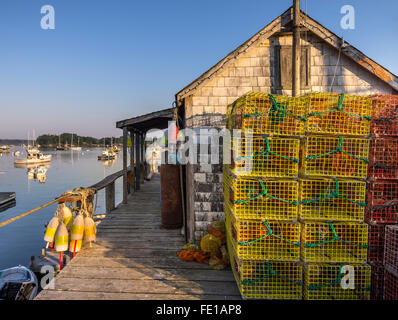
135	258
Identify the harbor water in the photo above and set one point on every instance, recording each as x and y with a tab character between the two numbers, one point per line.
67	170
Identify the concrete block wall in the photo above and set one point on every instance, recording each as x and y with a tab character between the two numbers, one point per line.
255	72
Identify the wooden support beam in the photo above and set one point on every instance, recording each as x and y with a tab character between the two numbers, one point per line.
296	49
138	161
110	197
125	165
132	164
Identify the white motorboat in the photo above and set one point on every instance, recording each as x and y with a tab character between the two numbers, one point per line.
33	156
18	283
107	154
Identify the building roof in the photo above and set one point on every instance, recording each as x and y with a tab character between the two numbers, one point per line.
283	23
154	120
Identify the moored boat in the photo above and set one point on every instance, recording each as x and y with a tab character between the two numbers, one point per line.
33	156
107	154
18	283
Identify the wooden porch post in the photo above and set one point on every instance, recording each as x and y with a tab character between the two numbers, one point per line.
296	49
124	165
138	160
132	157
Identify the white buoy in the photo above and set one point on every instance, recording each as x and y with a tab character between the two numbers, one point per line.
89	230
66	215
61	238
51	229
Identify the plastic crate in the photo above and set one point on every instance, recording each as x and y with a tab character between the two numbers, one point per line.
332	200
267	280
390	285
382	202
264	240
376	236
251	198
340	242
331	113
377	282
391	248
383	158
324	282
335	157
264	156
384	115
267	114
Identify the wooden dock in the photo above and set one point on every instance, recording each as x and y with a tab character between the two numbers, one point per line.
134	258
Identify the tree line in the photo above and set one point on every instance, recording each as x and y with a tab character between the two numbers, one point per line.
52	140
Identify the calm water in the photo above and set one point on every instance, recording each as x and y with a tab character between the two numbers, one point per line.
68	170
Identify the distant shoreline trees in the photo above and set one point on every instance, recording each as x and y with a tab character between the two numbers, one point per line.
51	140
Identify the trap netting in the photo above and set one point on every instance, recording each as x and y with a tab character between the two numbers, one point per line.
332	200
335	157
383	158
338	242
264	239
267	280
376	236
382	201
263	156
254	198
390	285
328	282
342	114
267	114
391	248
384	115
377	282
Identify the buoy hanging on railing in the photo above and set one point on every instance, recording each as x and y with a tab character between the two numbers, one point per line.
89	230
61	238
51	230
76	234
66	215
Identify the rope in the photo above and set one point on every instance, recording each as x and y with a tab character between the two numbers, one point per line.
334	194
269	233
338	108
278	112
266	152
264	193
271	273
338	149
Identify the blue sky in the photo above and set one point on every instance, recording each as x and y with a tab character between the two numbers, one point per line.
108	60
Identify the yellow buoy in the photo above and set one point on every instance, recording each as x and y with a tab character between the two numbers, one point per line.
61	238
77	230
51	229
75	246
89	229
66	215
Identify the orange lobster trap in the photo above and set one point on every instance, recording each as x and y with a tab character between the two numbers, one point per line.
384	115
263	239
267	114
255	198
382	201
332	200
383	158
335	157
267	279
327	282
264	156
339	242
341	114
377	282
376	236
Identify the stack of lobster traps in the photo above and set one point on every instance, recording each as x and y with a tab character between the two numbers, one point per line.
382	195
295	195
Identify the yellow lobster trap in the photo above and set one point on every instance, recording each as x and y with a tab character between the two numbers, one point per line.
267	280
335	157
264	240
326	242
267	114
333	282
332	200
333	113
264	156
251	198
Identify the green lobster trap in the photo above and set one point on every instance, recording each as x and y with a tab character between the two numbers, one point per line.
264	156
332	200
264	240
339	242
267	114
251	198
332	282
335	157
267	280
341	114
